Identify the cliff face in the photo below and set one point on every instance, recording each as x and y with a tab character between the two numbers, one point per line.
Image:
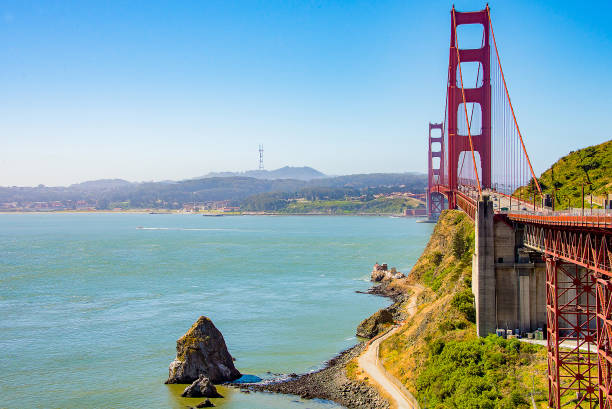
202	351
437	354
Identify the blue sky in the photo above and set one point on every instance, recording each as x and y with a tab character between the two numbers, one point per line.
153	90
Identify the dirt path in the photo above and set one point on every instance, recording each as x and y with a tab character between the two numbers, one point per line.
369	362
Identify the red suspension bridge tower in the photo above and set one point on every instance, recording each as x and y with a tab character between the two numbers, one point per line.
478	153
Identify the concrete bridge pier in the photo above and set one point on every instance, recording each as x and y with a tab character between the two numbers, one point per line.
508	280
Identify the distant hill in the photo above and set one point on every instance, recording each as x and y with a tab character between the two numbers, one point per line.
101	184
591	166
288	172
120	193
415	182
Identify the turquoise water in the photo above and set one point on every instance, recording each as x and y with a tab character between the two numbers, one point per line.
91	306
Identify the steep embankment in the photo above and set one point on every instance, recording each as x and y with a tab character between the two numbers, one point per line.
563	180
437	354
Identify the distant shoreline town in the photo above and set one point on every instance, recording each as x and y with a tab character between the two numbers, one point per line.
224	207
381	193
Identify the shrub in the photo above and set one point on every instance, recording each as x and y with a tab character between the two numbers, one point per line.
436	257
458	244
464	302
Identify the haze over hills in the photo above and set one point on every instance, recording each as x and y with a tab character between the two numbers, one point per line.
288	172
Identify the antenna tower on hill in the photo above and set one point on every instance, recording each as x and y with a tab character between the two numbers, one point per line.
261	167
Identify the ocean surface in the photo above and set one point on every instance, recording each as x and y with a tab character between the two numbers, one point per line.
91	305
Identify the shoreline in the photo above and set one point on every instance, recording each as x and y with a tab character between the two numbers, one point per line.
151	212
331	382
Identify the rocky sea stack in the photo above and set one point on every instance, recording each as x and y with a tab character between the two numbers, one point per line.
201	387
202	351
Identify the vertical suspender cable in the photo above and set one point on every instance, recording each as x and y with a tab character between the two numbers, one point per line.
509	102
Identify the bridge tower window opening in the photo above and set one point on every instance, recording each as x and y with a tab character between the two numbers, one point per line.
472	75
470	37
474	111
465	169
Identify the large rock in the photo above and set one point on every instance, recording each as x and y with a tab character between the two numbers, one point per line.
375	324
202	351
201	388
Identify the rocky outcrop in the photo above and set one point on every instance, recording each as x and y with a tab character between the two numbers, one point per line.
206	404
375	324
380	273
201	388
202	351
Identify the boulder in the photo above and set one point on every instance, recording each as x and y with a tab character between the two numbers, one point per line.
202	351
375	324
206	404
201	387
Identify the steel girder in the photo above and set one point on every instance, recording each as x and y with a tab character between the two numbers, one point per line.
571	335
587	248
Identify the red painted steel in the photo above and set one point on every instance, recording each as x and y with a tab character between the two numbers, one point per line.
571	336
481	143
588	249
467	204
559	219
435	201
604	340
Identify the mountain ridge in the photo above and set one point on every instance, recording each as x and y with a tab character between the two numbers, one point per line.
305	173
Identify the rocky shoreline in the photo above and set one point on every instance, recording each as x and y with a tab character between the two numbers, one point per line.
331	382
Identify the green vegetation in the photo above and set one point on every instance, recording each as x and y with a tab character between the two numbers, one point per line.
317	200
351	369
437	354
376	206
476	373
590	166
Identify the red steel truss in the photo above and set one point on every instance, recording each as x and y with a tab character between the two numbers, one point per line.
604	340
587	248
570	315
467	204
579	312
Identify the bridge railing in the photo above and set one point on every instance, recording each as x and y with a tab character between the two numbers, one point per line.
595	218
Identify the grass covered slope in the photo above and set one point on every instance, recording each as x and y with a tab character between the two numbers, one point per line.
591	166
437	354
375	206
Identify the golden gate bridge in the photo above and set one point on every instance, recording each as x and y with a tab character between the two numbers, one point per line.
478	162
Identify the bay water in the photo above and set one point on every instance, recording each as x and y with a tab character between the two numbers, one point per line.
91	305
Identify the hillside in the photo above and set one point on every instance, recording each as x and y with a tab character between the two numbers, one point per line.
591	166
437	354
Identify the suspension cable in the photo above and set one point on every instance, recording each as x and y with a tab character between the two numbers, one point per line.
509	102
467	122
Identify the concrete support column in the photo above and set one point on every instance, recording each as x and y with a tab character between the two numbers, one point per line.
483	269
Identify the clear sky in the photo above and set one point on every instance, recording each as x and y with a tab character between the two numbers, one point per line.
154	90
